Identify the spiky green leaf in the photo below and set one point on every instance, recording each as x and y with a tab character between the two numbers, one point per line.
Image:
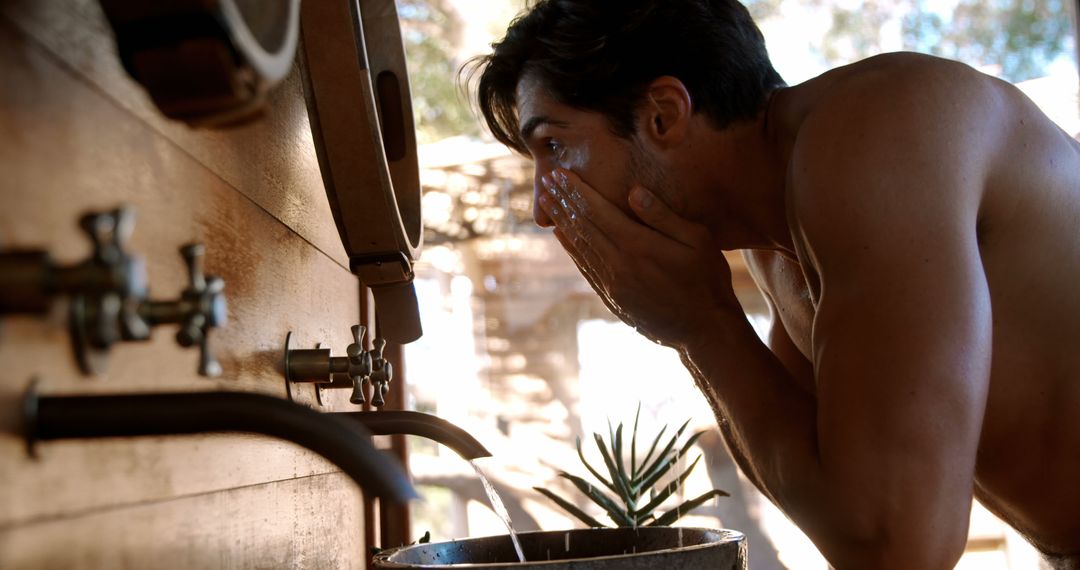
649	482
633	444
690	442
618	514
667	491
662	463
617	455
570	508
652	448
621	487
592	470
678	512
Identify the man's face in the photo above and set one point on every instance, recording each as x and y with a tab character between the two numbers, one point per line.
559	136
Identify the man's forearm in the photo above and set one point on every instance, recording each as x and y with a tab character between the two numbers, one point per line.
734	446
768	422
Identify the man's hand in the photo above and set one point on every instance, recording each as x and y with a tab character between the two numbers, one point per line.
665	277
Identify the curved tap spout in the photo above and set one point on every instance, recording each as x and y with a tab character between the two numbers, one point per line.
392	422
344	443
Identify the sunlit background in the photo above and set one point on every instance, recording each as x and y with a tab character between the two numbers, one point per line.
520	352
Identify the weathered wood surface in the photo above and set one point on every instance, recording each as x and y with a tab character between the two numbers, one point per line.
293	524
77	135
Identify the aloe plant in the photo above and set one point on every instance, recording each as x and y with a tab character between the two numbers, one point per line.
633	496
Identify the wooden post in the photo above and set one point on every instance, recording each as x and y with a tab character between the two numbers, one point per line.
386	525
395	521
371	507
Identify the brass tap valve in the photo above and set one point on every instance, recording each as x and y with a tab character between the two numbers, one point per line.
105	290
381	374
360	367
360	364
108	293
201	307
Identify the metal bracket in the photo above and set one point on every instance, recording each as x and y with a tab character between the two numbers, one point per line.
379	269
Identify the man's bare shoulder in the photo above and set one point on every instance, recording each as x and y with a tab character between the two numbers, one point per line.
892	128
878	103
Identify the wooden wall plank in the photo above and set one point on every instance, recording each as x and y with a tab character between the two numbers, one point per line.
271	161
289	524
66	147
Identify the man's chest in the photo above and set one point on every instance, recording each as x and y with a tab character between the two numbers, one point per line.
784	284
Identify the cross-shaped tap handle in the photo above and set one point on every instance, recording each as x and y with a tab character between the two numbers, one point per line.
109	232
359	364
97	227
193	256
206	309
380	382
357	347
123	226
381	374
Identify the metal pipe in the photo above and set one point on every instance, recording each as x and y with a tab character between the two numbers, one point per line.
392	422
344	443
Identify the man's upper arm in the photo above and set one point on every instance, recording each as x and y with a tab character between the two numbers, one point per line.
901	340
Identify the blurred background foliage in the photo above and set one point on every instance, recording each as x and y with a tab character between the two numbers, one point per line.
1021	37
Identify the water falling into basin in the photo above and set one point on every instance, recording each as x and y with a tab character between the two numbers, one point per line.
500	509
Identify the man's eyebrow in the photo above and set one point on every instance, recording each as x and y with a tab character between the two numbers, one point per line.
534	122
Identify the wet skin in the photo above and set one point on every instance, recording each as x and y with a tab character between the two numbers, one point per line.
913	225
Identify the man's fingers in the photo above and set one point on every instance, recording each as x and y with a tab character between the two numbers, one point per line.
659	216
580	236
572	218
608	218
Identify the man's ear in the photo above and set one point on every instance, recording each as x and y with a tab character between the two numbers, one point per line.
664	115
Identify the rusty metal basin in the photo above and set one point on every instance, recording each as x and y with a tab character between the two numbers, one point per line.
582	549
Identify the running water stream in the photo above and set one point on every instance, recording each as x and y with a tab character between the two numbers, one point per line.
499	508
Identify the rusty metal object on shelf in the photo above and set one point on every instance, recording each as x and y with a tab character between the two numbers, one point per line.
208	63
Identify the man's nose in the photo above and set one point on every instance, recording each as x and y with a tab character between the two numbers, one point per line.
539	216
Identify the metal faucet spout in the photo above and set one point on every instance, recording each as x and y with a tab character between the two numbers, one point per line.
344	443
392	422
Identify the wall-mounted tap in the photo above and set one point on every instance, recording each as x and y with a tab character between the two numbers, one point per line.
30	280
342	441
359	367
108	293
105	289
201	307
394	422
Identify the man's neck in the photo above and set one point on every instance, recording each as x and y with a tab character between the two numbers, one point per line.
745	183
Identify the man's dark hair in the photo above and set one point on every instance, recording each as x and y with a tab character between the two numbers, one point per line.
601	55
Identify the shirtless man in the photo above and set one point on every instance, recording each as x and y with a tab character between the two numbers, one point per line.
914	224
